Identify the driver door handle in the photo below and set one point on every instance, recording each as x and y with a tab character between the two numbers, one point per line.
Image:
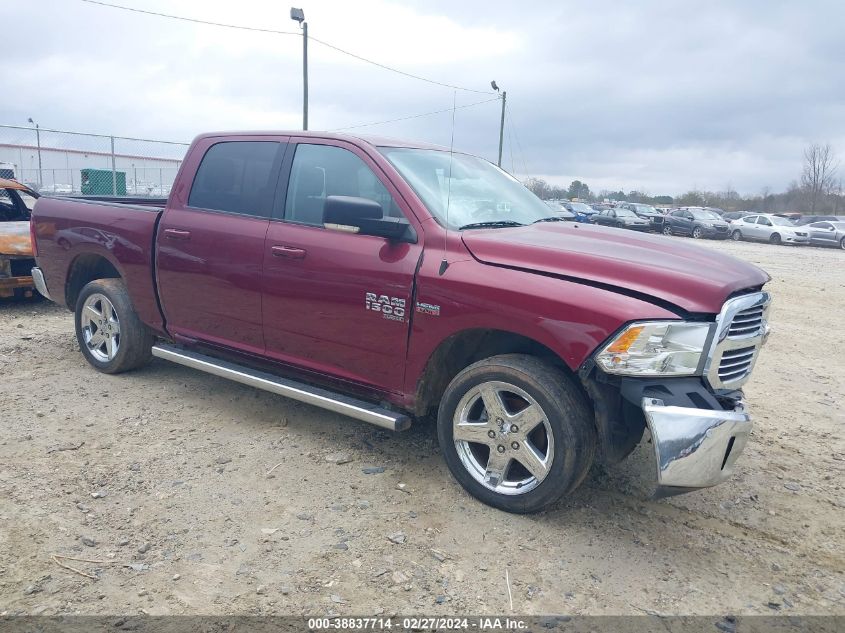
289	252
176	234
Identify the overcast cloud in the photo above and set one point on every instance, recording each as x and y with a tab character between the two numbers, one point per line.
656	96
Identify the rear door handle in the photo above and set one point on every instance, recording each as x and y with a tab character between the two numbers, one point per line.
176	234
290	252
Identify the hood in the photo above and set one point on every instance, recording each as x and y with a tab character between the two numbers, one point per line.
15	240
693	278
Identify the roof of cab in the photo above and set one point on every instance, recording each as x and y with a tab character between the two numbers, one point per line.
375	141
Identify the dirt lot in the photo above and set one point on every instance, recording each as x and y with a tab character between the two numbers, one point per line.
163	476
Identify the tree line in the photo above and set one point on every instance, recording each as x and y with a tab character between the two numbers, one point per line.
818	191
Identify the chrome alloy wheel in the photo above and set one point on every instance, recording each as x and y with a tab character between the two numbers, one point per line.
503	438
100	328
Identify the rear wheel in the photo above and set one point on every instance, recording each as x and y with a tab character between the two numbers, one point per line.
736	236
515	432
775	238
697	233
667	230
842	243
111	336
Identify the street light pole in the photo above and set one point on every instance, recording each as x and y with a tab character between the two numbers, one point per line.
299	16
502	123
38	143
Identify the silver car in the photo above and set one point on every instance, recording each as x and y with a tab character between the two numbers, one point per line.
765	227
827	234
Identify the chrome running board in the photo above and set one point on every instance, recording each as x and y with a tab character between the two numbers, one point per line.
322	398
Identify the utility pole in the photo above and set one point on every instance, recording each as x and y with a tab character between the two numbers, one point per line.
38	143
299	16
502	128
502	124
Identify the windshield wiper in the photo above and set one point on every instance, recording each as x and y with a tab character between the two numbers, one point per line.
551	218
492	224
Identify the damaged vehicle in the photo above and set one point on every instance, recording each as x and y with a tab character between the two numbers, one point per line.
393	282
16	259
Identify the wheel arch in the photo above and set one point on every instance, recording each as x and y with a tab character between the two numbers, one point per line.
463	348
85	268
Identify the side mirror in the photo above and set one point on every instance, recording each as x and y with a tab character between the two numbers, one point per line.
365	216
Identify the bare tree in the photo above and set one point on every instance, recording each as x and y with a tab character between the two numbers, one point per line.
819	173
765	194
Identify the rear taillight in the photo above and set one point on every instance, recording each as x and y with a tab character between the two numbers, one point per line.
32	236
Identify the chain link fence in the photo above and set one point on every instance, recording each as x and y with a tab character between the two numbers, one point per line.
73	163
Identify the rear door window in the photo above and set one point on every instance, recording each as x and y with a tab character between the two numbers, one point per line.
238	177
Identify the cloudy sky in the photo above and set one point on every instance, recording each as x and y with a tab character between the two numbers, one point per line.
658	96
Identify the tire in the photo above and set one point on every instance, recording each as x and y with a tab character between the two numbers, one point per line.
560	446
736	236
697	233
667	230
842	243
110	334
774	238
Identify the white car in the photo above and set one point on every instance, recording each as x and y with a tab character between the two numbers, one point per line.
765	227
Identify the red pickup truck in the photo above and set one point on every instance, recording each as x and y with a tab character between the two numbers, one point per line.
389	281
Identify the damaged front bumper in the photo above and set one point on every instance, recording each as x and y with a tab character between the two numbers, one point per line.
694	448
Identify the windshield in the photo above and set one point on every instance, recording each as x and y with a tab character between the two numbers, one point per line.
625	213
705	215
778	221
839	226
645	208
467	189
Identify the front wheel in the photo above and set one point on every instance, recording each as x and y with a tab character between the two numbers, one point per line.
697	233
515	432
775	238
111	336
842	243
667	230
736	236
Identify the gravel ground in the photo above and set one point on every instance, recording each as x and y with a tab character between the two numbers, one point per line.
188	494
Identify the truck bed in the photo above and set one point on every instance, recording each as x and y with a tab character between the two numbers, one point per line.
73	231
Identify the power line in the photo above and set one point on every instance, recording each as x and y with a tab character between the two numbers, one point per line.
194	20
413	116
400	72
277	32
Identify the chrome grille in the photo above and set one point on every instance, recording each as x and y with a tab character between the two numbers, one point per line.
736	363
741	329
746	323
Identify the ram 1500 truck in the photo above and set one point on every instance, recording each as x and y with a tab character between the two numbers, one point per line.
389	281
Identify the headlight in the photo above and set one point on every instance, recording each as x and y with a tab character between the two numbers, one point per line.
656	348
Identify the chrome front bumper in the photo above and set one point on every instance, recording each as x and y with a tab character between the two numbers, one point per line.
40	282
695	448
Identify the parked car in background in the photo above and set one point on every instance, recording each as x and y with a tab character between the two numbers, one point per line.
583	212
696	222
809	219
16	260
621	218
647	212
792	216
827	234
560	210
765	227
732	216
